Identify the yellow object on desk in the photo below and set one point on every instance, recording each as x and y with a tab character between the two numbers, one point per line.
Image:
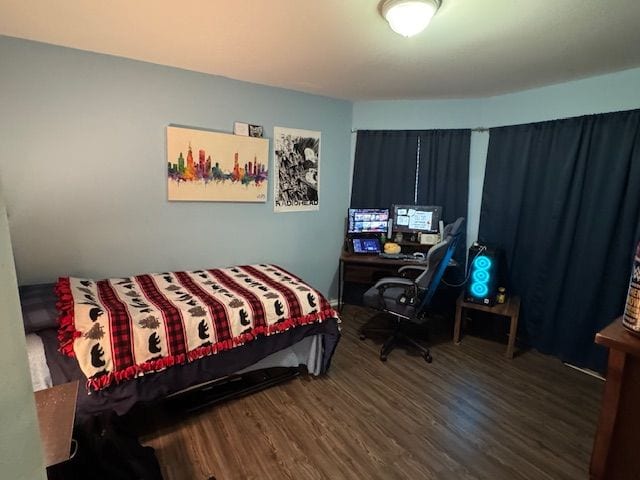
391	247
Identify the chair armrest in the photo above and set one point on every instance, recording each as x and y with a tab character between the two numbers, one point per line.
408	293
387	282
421	268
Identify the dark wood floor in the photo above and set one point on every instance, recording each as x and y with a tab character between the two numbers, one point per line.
471	414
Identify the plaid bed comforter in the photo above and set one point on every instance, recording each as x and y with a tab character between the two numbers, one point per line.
122	328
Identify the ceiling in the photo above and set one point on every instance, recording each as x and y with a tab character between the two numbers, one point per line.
343	48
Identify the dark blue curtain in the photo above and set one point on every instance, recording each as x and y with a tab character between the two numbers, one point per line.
563	199
443	176
384	171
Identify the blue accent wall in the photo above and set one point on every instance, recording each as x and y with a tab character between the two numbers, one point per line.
83	169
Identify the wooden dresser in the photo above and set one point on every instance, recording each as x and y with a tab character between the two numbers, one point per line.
616	450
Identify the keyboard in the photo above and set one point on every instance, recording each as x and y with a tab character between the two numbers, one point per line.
395	256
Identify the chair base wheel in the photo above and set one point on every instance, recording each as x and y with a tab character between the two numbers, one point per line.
363	336
383	358
427	357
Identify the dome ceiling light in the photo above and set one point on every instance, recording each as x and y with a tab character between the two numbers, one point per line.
409	17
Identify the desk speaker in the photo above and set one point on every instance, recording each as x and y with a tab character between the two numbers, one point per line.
486	274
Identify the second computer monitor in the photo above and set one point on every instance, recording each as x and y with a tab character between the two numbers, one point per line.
367	220
416	218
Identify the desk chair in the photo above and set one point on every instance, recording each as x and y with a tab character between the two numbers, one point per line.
406	299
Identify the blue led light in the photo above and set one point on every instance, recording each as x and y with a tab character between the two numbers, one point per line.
479	289
482	262
481	276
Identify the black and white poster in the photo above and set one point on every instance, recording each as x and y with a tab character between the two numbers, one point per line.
297	170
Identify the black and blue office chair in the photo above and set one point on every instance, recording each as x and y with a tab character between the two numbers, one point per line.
408	300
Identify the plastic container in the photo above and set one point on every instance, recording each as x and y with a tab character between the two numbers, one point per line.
501	297
631	317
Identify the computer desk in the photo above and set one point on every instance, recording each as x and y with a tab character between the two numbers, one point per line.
368	269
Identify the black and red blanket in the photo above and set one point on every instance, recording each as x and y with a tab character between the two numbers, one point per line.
122	328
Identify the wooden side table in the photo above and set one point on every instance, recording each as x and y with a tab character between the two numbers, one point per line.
510	309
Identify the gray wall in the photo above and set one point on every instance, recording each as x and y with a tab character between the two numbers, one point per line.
20	450
83	168
605	93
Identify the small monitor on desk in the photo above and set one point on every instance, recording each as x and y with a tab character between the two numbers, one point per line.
416	218
366	245
368	220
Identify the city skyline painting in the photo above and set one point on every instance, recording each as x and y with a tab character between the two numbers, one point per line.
216	167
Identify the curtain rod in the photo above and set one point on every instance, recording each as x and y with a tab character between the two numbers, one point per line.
476	129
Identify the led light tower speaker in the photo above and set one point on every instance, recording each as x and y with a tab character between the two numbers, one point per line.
486	274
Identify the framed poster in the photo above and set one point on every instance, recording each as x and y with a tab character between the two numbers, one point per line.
216	167
297	170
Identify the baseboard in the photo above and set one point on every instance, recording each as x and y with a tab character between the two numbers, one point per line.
333	302
585	371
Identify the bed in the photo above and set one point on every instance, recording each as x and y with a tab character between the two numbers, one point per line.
307	339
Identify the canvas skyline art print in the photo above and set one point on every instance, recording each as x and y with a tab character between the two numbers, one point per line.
216	167
297	170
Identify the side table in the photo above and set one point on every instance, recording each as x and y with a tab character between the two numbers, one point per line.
510	309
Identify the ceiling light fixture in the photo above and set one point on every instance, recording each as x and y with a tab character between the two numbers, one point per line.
409	17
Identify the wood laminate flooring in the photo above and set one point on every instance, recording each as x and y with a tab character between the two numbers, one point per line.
471	414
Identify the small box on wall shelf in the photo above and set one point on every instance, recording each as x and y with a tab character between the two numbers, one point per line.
248	130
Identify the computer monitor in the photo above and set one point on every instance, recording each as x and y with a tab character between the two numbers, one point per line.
366	245
416	218
368	220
